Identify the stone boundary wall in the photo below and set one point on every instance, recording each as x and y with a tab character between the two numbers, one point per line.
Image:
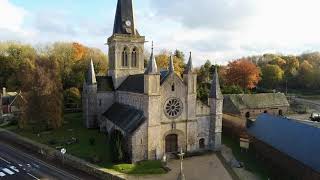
52	154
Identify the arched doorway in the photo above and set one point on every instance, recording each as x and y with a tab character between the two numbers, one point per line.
280	112
171	143
247	115
202	143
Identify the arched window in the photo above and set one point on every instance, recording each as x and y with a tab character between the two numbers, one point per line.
172	87
134	58
124	61
202	143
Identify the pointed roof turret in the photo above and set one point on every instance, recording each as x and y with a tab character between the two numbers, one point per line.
215	91
152	64
124	18
91	76
171	66
189	67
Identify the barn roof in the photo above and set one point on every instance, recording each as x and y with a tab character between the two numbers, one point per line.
125	117
233	103
298	140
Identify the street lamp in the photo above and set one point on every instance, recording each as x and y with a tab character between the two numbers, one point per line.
181	175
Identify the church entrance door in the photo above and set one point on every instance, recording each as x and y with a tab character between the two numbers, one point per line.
172	143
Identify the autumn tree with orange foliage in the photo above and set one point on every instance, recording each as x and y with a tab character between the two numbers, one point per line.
242	73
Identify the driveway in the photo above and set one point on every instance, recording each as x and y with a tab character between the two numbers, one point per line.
207	167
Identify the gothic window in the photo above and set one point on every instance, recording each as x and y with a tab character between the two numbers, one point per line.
134	57
172	87
202	143
124	61
173	108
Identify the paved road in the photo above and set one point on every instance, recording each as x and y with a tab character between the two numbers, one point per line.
16	165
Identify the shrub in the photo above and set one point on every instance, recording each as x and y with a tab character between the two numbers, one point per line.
92	141
52	142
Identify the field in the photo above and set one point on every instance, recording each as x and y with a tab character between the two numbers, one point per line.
90	145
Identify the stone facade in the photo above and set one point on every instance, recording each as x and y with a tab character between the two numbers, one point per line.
157	112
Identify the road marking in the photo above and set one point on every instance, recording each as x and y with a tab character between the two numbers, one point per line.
2	174
14	168
43	163
6	170
33	176
5	160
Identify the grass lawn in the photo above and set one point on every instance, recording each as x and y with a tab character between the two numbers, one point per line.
73	128
250	162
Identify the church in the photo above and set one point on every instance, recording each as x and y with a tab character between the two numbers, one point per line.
155	111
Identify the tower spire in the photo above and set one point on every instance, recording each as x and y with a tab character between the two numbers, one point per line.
91	76
152	64
215	91
189	67
171	66
124	18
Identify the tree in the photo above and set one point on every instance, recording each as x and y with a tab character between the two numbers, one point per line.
43	94
163	62
242	73
205	72
72	97
305	77
12	55
272	75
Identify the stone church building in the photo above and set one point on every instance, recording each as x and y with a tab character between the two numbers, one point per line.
156	112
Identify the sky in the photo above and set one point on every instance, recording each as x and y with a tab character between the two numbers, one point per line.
218	30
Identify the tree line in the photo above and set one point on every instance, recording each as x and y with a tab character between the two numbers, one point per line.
264	73
51	75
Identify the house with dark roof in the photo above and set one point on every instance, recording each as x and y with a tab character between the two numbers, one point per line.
251	105
10	102
155	112
291	148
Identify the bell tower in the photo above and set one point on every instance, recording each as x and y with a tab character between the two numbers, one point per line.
126	46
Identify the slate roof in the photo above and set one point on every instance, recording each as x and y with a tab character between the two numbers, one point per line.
233	103
125	117
124	13
105	83
133	83
298	140
163	75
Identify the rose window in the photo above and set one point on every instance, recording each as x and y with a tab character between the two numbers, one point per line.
173	108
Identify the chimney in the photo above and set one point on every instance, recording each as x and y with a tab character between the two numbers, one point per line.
4	91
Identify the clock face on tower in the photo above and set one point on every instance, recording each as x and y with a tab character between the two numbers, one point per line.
128	23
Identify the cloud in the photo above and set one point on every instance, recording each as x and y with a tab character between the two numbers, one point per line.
11	16
229	29
217	14
219	30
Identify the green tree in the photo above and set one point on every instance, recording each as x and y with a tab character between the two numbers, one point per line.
272	76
